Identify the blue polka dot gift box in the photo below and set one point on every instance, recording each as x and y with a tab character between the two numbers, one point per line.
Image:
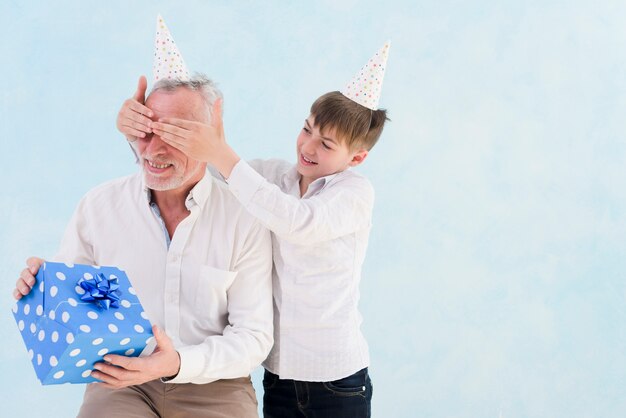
74	315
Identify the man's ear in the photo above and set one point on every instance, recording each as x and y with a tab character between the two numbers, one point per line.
358	157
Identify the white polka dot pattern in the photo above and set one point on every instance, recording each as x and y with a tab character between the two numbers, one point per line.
65	335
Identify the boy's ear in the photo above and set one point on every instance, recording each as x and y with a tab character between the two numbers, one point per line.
358	158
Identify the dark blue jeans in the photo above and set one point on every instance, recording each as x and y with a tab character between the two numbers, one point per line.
350	397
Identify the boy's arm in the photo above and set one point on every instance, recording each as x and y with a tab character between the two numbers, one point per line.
341	208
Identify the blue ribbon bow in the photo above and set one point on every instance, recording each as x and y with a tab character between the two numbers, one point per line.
101	291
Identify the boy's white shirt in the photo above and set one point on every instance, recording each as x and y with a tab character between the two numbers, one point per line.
319	243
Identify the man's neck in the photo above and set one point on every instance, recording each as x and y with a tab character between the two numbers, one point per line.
171	200
172	206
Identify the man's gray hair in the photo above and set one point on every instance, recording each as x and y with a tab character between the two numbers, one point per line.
198	82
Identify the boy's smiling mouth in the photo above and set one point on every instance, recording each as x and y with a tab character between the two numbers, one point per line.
306	160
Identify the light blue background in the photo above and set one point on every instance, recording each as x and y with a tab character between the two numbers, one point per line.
494	284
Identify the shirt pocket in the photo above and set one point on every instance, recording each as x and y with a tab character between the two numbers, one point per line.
213	285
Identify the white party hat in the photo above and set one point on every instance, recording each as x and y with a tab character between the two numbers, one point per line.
367	84
168	63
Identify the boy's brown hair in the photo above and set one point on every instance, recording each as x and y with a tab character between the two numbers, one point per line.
356	125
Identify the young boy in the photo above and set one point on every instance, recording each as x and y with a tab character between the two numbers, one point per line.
320	215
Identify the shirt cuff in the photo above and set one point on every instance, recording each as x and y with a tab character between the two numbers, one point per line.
244	181
191	361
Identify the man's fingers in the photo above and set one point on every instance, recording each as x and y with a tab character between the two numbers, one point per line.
120	373
122	362
17	295
34	263
107	380
22	287
142	85
27	277
163	341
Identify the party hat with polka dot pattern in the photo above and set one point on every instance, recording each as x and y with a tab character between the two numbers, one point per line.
168	62
365	87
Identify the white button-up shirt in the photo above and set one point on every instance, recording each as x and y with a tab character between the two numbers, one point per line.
210	290
319	244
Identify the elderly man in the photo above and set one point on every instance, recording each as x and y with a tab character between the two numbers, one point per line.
201	267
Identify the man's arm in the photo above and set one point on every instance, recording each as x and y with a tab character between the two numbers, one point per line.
244	344
248	337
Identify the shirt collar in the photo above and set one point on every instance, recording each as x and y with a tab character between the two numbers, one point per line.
291	177
198	195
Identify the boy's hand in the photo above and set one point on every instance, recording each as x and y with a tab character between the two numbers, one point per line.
199	141
27	277
122	371
133	119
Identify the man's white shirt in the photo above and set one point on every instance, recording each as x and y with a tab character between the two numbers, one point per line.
210	290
